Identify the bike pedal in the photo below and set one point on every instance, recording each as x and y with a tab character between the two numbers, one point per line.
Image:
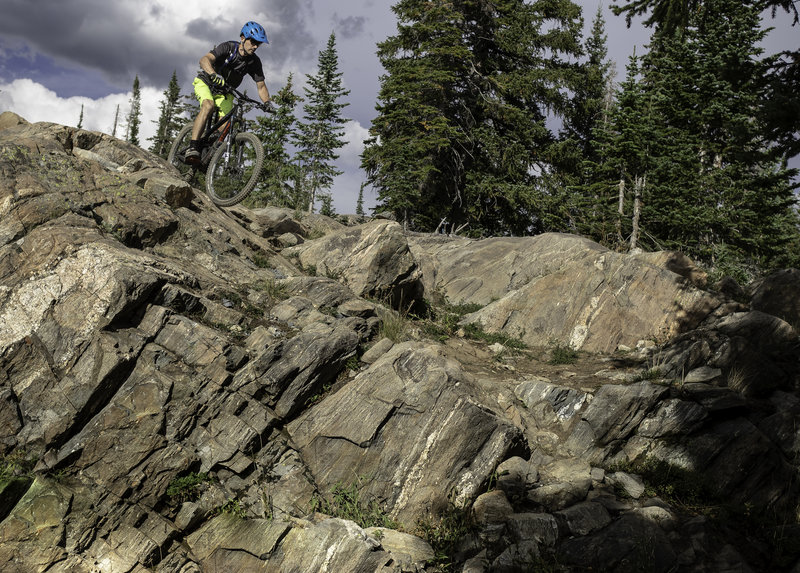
192	160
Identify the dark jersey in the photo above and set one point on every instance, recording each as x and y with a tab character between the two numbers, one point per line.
233	66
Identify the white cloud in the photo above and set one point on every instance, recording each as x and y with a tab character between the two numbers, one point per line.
34	102
354	134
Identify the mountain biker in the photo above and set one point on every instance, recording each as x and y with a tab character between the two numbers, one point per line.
225	65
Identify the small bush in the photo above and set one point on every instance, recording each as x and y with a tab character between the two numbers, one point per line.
260	260
475	331
233	507
444	534
648	375
16	464
188	487
562	355
679	486
442	321
394	326
273	289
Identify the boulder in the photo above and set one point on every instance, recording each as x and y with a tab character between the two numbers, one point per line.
752	353
778	294
612	416
562	483
329	545
583	518
613	300
411	423
408	551
372	259
631	543
10	119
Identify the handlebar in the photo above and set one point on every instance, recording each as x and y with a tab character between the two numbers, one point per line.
226	89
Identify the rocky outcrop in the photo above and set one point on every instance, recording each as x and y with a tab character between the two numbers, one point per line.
180	392
614	299
413	422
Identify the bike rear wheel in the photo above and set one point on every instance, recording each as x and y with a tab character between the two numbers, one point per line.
231	177
178	149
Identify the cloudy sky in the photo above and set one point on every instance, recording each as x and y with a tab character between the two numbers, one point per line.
59	55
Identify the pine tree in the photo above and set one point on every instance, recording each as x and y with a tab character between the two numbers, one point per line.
589	101
674	14
623	141
416	145
461	131
576	152
714	190
783	70
280	171
80	119
326	205
134	115
322	132
360	201
169	120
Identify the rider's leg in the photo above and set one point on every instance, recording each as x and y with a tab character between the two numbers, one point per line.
206	99
206	107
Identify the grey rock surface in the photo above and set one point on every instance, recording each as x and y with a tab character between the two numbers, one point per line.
178	392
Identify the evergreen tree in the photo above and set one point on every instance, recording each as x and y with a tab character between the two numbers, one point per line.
134	115
589	101
80	119
413	156
326	205
782	117
715	190
623	141
675	14
280	172
461	134
360	201
576	151
322	132
169	120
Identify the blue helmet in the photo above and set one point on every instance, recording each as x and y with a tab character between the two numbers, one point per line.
255	31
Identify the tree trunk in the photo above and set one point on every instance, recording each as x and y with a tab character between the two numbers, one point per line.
638	188
116	118
621	209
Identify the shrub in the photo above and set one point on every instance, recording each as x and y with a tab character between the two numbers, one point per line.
562	354
188	487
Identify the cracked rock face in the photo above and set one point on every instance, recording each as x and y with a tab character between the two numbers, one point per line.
177	393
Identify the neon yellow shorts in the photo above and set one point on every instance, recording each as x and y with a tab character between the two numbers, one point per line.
202	92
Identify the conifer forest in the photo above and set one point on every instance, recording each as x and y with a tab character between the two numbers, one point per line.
501	117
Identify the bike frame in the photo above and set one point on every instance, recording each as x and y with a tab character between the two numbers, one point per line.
233	119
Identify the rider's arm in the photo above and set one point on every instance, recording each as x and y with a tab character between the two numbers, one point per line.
207	63
263	92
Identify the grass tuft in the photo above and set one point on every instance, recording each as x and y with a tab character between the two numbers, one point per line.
346	502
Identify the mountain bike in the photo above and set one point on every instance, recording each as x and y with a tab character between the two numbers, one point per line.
230	158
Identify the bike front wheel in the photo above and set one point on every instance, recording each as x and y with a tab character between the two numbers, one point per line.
232	175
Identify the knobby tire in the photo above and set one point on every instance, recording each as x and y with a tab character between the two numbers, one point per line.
179	146
228	184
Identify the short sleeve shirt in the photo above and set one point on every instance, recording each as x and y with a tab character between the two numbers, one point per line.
233	66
